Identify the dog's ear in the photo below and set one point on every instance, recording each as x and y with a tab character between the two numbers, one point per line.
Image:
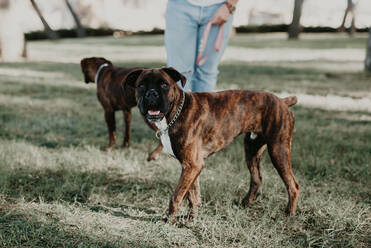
131	78
84	68
175	75
100	60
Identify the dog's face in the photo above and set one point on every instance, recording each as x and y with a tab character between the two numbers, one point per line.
156	90
89	67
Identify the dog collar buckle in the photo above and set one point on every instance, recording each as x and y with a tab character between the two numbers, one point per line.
158	134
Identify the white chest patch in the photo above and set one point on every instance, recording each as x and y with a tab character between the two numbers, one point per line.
253	135
165	139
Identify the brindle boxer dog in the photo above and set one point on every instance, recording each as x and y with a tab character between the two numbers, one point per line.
112	97
200	124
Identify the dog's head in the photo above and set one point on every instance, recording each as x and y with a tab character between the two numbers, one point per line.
156	90
89	67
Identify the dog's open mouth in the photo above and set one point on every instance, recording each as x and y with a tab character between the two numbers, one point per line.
154	112
154	115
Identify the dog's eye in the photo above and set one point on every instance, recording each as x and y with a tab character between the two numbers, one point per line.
164	85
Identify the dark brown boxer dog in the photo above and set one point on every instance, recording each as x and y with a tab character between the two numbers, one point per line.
204	123
112	97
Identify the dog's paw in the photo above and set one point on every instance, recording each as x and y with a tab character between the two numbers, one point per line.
106	149
125	144
151	157
165	219
190	217
169	219
245	203
288	212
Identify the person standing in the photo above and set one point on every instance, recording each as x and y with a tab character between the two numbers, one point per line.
186	39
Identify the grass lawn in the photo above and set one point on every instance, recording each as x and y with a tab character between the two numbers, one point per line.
250	40
57	189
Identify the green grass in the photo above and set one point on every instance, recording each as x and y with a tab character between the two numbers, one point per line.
284	78
57	189
308	41
269	40
274	78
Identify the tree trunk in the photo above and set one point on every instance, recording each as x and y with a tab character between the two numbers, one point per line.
368	53
12	42
80	31
349	10
24	52
48	31
4	4
295	28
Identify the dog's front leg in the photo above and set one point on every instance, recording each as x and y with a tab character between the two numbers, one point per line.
194	198
127	131
190	172
153	155
111	125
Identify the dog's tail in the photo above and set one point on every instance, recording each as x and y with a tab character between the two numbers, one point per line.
290	101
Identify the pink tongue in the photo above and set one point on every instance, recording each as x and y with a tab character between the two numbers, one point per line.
153	112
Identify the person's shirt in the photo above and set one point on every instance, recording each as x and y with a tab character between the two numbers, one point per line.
205	2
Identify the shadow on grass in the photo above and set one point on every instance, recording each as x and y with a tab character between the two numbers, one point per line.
76	186
154	217
66	128
18	230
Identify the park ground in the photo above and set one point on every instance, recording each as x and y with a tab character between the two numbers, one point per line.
57	189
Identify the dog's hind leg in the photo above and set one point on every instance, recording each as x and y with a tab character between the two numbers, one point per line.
254	149
111	125
280	153
127	129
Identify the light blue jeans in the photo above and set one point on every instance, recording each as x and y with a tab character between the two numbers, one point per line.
185	24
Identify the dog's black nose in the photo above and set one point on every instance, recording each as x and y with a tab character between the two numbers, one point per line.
151	94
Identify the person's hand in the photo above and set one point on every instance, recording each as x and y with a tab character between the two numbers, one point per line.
221	15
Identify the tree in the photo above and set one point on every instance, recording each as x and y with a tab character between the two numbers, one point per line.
368	53
80	31
350	10
12	41
4	4
48	31
295	28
